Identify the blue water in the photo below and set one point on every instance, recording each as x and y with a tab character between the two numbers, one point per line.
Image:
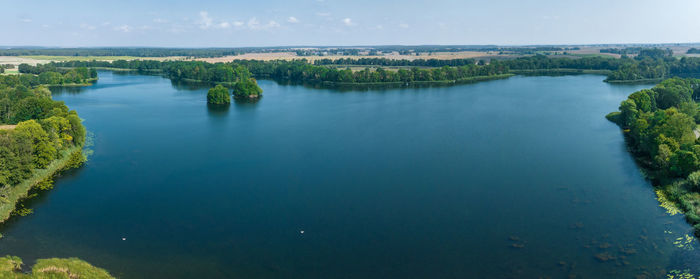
515	178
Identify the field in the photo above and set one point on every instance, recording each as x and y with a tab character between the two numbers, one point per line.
43	59
396	56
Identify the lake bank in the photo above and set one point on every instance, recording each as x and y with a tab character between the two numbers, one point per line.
70	158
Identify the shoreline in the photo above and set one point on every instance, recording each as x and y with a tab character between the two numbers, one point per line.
15	194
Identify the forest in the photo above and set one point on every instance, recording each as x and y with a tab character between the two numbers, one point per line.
48	74
660	125
37	131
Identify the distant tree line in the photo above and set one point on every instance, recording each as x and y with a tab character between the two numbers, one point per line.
300	70
137	52
649	64
395	62
49	74
693	51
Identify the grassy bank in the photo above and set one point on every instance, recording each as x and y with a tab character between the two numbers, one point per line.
54	268
633	81
11	195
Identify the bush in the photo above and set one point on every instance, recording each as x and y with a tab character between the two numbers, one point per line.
694	180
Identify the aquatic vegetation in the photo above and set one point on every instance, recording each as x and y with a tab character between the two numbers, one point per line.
680	274
664	202
684	242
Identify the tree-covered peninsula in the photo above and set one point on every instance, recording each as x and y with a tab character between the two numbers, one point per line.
39	137
48	74
661	128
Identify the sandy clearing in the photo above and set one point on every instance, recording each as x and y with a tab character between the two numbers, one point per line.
7	127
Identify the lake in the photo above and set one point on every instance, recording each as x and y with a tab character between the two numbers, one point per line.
515	178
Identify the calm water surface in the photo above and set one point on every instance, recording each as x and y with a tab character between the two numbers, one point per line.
521	177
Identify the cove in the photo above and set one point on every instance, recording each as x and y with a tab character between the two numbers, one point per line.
522	177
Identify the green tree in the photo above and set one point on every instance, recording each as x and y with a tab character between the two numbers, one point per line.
247	89
218	96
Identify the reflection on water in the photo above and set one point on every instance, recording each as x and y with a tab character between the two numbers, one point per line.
218	110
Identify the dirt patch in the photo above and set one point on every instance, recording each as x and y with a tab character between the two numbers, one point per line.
7	127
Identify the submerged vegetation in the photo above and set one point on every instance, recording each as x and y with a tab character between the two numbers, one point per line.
661	127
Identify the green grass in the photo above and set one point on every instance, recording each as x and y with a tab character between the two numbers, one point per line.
54	268
11	195
11	72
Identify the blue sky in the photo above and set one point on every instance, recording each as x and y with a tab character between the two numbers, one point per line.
207	23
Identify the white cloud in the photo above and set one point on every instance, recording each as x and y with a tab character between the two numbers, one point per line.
238	23
224	25
403	25
292	19
324	14
123	28
159	20
348	21
204	20
26	20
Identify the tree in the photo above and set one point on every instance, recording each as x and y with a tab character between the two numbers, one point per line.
218	96
247	89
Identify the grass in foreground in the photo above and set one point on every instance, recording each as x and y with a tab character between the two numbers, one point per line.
54	268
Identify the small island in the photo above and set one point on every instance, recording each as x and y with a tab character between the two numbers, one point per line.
218	96
247	89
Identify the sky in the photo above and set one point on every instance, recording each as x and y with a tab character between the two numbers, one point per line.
209	23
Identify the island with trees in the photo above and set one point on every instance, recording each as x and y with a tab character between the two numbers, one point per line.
661	130
218	96
247	89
